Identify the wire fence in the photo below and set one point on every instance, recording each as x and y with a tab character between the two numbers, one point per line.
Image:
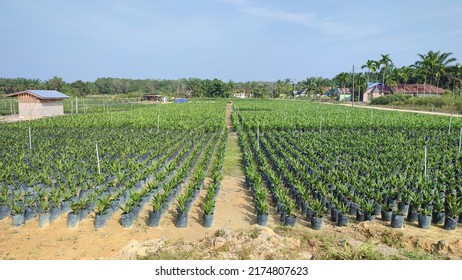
99	105
9	106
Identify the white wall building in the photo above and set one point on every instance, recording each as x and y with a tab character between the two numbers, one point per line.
39	103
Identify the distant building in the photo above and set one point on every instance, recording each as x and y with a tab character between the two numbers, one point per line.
243	95
375	90
342	94
417	89
155	98
39	103
297	93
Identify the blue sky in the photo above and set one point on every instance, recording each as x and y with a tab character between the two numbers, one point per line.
237	40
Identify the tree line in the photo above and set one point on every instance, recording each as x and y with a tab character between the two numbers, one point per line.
435	68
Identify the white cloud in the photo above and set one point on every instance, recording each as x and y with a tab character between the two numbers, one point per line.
343	27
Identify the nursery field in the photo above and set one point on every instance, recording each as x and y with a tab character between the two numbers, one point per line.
87	186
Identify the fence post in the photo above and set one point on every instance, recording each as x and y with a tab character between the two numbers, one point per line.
97	158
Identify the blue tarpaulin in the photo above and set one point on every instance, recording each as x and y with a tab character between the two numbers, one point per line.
181	100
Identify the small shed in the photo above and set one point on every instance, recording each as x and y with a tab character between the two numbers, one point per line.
40	103
155	98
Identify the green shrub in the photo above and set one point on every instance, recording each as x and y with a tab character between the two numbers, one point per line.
389	99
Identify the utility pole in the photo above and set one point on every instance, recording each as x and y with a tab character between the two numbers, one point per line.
272	90
353	93
293	92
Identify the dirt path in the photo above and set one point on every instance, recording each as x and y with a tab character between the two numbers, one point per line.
234	193
234	205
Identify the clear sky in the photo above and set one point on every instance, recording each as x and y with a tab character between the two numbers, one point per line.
239	40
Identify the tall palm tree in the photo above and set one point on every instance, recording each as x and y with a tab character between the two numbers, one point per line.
370	64
342	79
454	74
434	64
404	74
385	62
375	65
393	77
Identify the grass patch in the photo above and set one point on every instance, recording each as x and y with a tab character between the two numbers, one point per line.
345	251
245	253
220	233
233	158
254	233
180	252
417	254
393	238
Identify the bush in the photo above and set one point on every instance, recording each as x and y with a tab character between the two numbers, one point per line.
389	99
435	101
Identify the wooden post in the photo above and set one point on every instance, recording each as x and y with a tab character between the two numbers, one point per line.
76	105
450	122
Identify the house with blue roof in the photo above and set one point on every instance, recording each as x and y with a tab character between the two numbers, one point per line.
375	90
39	103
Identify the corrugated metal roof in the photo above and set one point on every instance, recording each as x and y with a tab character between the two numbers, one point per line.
337	90
377	87
418	88
43	94
372	84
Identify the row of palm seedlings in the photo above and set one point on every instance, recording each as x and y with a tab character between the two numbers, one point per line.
294	115
54	198
169	174
198	116
258	172
408	192
94	163
192	191
213	188
133	196
162	200
285	185
365	172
